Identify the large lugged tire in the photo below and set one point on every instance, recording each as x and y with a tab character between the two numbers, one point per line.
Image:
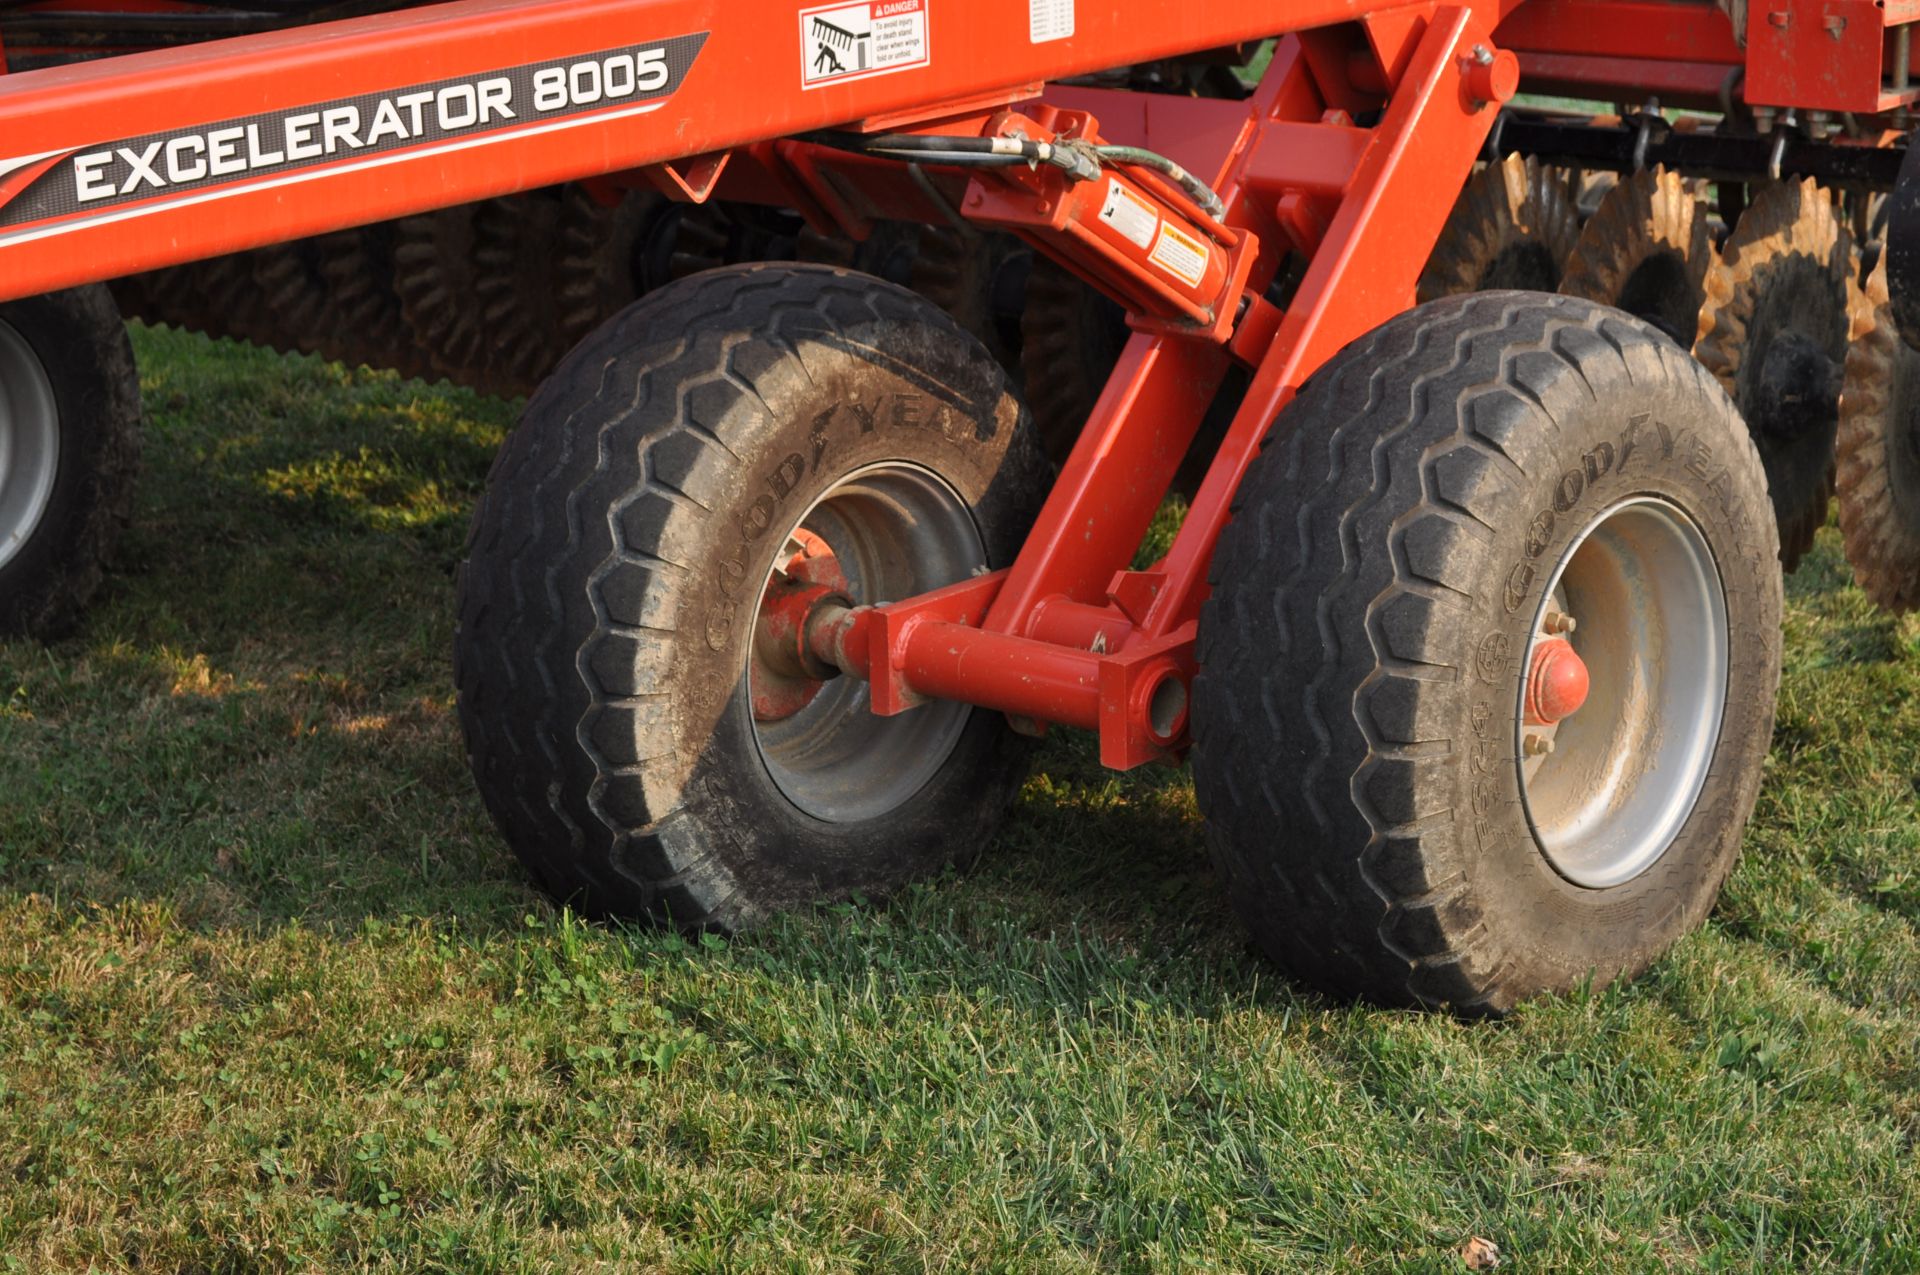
1879	454
1401	560
723	432
436	275
521	309
69	453
1070	338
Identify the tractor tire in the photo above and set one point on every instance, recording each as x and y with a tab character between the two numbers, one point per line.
69	453
436	276
888	252
1402	558
1879	454
611	694
357	270
1071	336
608	254
979	279
522	312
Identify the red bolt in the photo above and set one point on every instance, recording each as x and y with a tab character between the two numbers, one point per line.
1557	683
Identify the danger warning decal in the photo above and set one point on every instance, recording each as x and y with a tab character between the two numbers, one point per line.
853	41
348	133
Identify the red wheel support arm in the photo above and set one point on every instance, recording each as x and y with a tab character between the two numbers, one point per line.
1068	635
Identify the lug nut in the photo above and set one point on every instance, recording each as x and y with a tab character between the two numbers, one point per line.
1538	746
1559	622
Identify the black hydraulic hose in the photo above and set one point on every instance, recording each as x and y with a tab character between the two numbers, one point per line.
1197	190
965	152
948	159
913	142
1081	162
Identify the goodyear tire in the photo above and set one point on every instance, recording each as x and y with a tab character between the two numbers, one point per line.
1399	563
671	467
69	453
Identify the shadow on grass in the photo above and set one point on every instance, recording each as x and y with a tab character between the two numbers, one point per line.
259	725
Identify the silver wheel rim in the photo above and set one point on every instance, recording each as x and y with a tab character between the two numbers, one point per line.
29	442
1626	769
897	530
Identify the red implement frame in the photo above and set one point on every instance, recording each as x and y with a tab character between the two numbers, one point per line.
1346	156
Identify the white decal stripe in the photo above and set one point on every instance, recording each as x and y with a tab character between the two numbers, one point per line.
71	224
13	165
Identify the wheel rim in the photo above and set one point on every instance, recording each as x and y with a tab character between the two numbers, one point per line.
895	530
1616	780
29	442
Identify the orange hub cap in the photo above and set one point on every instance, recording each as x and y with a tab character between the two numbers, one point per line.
1557	683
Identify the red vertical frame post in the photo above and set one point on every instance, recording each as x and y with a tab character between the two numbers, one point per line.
1367	238
1364	273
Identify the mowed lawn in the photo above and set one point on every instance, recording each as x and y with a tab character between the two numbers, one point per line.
273	996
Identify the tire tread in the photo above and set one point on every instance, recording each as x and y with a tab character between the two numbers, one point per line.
1393	922
512	713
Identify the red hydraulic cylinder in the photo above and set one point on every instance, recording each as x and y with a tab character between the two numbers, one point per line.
1131	234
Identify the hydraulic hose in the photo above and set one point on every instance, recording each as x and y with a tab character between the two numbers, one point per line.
1081	162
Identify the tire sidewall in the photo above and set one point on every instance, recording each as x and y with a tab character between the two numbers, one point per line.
854	397
1902	448
1650	439
81	343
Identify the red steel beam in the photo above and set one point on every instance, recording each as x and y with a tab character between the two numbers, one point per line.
1627	80
1826	55
1644	30
1362	275
742	83
1625	50
1117	474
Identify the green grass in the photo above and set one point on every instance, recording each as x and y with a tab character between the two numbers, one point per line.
273	996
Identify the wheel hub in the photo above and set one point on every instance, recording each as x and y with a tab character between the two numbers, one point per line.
1557	684
891	530
1619	721
786	675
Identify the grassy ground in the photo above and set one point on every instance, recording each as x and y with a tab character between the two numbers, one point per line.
272	996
